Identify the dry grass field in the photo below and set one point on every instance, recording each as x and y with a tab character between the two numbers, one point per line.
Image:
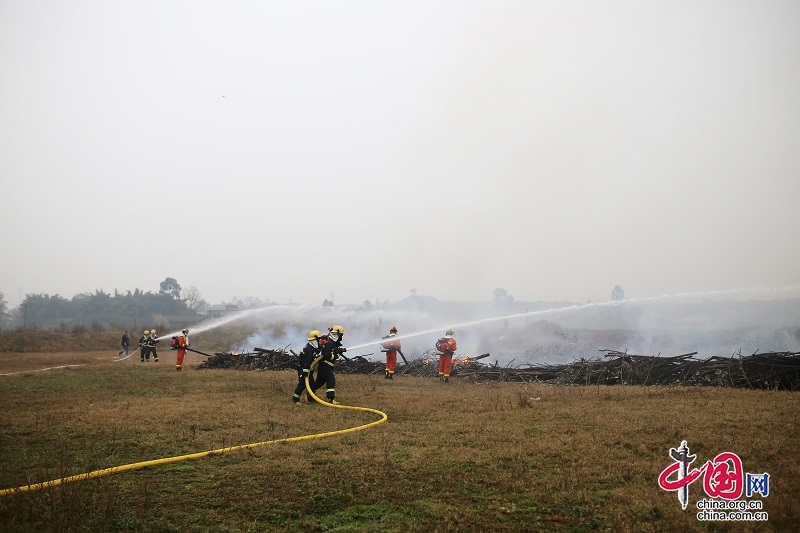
462	456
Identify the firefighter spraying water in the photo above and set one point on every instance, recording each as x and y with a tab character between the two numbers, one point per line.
392	347
446	348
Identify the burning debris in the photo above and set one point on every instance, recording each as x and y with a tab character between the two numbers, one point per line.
769	371
282	359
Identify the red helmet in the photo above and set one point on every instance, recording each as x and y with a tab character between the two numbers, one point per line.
393	330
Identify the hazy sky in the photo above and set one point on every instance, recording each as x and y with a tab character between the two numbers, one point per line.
294	150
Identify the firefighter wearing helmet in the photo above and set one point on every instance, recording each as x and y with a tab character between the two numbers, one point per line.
446	346
183	343
391	346
152	340
330	354
145	350
307	355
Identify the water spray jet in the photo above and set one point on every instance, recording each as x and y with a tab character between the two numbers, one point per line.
240	315
580	307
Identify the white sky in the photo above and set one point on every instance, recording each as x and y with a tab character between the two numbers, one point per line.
363	148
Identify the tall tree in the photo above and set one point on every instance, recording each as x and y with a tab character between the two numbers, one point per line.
617	293
4	316
171	287
501	297
40	309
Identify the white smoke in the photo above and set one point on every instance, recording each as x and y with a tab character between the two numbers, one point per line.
555	333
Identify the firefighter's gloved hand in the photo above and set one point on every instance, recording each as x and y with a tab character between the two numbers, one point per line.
342	350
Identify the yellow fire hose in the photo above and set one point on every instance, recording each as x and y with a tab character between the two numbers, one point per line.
199	455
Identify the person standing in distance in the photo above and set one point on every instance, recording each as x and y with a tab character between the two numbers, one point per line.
125	343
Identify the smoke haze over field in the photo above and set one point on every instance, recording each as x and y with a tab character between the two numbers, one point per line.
561	333
302	151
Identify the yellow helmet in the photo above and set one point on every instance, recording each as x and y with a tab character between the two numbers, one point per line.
147	332
152	332
313	335
337	329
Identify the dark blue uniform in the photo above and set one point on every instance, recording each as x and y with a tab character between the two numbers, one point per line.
304	360
325	375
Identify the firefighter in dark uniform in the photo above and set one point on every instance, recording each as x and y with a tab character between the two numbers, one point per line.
151	342
307	355
330	354
143	346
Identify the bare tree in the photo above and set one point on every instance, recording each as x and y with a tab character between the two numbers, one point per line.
193	298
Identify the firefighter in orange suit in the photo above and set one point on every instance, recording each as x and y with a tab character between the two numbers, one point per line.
183	342
390	346
446	346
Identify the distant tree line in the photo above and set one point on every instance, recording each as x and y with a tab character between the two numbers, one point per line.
100	311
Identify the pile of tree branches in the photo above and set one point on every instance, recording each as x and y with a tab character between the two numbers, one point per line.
769	371
258	359
281	359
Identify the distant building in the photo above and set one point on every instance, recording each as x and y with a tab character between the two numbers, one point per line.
218	312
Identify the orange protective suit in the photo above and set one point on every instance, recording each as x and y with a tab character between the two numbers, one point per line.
181	352
447	346
390	347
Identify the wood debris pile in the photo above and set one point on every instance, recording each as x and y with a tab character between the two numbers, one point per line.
773	371
264	359
258	359
770	371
